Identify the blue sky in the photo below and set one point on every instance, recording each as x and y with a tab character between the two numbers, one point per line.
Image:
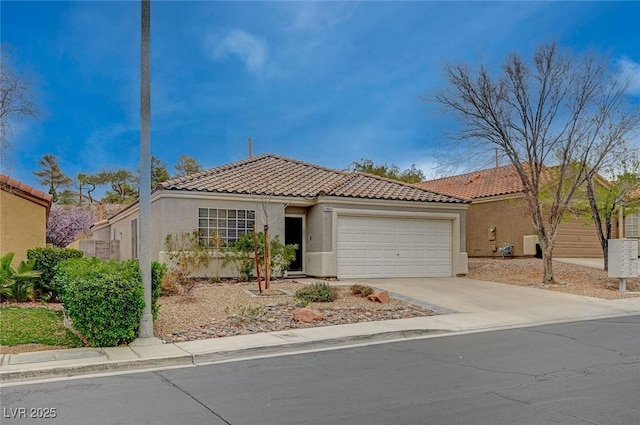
328	83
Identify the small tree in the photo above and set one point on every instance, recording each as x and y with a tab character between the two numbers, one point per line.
605	199
51	175
65	224
187	165
159	172
123	185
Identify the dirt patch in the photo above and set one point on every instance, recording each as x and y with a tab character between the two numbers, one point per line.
27	348
571	278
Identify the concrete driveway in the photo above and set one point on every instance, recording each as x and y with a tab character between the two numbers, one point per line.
462	295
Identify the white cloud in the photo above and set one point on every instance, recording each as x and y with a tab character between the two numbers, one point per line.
317	16
250	49
631	70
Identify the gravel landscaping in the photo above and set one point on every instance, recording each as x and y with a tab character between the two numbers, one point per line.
571	278
224	309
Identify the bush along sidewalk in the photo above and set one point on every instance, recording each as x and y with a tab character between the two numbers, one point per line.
46	259
105	299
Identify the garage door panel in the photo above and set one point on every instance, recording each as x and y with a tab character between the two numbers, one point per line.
392	247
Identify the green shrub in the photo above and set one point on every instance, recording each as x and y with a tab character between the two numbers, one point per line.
362	290
46	260
241	254
105	299
17	283
158	271
319	292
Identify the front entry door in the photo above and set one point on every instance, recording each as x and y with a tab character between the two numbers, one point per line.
293	235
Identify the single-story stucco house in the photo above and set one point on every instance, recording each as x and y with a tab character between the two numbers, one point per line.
499	214
347	224
24	211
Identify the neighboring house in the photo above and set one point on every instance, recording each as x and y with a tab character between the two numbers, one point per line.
23	217
499	214
346	224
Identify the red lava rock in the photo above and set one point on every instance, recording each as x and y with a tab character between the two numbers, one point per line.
306	315
380	297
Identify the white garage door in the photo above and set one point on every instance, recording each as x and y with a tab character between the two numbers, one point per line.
376	247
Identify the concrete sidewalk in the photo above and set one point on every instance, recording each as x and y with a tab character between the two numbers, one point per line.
464	305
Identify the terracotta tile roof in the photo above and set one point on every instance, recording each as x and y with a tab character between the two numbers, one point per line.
279	176
478	184
25	190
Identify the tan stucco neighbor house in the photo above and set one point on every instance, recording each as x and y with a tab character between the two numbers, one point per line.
23	217
347	224
498	214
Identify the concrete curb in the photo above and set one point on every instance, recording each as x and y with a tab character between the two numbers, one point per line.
312	345
34	372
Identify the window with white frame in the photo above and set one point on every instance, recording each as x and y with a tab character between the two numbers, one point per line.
632	225
226	224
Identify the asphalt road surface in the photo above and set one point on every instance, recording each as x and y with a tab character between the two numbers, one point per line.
576	373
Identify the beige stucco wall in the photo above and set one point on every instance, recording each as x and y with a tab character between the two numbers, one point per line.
512	222
508	217
577	238
178	213
23	225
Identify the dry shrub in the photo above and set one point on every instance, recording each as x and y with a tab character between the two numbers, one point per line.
170	283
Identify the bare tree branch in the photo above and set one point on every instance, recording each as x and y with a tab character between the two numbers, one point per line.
16	102
557	120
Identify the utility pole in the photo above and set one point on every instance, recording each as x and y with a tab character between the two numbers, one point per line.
144	200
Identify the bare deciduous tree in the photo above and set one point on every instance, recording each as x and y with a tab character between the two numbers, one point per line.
16	102
562	111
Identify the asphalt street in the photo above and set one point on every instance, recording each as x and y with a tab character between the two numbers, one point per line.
575	373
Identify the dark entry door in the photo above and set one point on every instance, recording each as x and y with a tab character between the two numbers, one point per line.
293	235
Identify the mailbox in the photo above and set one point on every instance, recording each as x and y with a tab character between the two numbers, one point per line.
623	259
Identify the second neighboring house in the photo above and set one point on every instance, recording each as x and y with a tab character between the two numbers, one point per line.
24	211
346	224
499	214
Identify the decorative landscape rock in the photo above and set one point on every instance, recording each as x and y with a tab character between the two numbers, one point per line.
307	315
380	297
209	314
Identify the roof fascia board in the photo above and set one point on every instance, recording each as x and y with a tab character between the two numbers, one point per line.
290	200
391	203
494	198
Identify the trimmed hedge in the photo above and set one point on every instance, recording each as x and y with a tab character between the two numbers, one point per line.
46	260
105	299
